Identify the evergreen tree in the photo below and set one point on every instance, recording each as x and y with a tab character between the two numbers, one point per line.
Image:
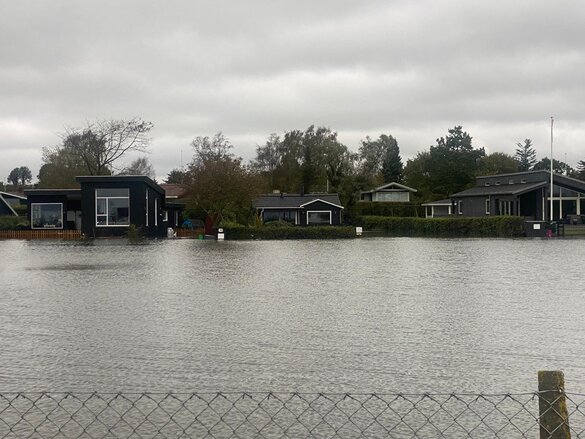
581	170
391	163
525	155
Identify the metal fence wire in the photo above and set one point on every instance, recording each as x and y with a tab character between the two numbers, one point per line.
281	415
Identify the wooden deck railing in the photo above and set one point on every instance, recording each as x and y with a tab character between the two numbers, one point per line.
40	234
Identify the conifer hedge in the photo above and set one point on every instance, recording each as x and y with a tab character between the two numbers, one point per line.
497	226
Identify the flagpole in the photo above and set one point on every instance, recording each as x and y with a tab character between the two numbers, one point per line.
551	167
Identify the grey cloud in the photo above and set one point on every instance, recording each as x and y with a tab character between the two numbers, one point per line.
412	69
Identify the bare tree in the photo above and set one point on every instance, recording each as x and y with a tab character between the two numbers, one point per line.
140	166
101	144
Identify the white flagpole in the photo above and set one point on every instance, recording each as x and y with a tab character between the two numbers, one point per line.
551	167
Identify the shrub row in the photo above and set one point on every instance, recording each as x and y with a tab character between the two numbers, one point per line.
498	226
388	209
13	223
288	232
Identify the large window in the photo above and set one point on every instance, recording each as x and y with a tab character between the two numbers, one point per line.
46	215
112	207
319	217
396	197
289	216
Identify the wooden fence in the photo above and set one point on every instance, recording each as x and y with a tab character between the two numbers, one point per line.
40	234
189	233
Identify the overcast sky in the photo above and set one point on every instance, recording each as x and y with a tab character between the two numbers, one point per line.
412	69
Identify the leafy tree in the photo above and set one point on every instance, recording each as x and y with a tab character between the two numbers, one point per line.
268	157
525	155
371	155
209	149
380	160
25	175
449	166
497	163
177	176
558	167
14	176
219	184
140	166
61	166
20	175
417	175
309	160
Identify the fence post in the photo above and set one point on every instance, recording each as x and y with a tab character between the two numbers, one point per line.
552	405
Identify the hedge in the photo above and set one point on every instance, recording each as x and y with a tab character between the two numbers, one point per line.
497	227
388	209
234	232
13	223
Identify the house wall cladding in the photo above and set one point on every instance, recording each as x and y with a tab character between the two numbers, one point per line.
68	205
137	212
321	206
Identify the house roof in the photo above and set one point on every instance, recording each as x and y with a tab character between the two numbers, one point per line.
69	193
390	187
292	201
6	195
174	190
119	179
446	202
504	189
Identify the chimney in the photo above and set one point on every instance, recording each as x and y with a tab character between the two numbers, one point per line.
302	190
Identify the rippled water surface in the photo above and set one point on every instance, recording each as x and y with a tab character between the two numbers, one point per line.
386	314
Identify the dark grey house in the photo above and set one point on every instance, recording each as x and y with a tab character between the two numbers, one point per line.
303	210
525	194
103	206
54	208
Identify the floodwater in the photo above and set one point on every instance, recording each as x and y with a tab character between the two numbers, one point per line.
367	315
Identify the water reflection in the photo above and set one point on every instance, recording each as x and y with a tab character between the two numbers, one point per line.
363	315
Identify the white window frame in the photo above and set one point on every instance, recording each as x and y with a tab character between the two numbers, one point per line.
165	217
460	207
156	212
487	206
320	211
44	227
107	207
146	207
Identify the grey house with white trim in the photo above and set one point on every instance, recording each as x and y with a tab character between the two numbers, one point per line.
302	210
388	193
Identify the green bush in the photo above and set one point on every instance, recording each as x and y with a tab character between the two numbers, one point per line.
20	209
498	226
388	209
288	232
13	223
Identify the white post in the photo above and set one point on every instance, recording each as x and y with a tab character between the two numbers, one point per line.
560	202
551	167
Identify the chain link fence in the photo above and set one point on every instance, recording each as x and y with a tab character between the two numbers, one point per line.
283	415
